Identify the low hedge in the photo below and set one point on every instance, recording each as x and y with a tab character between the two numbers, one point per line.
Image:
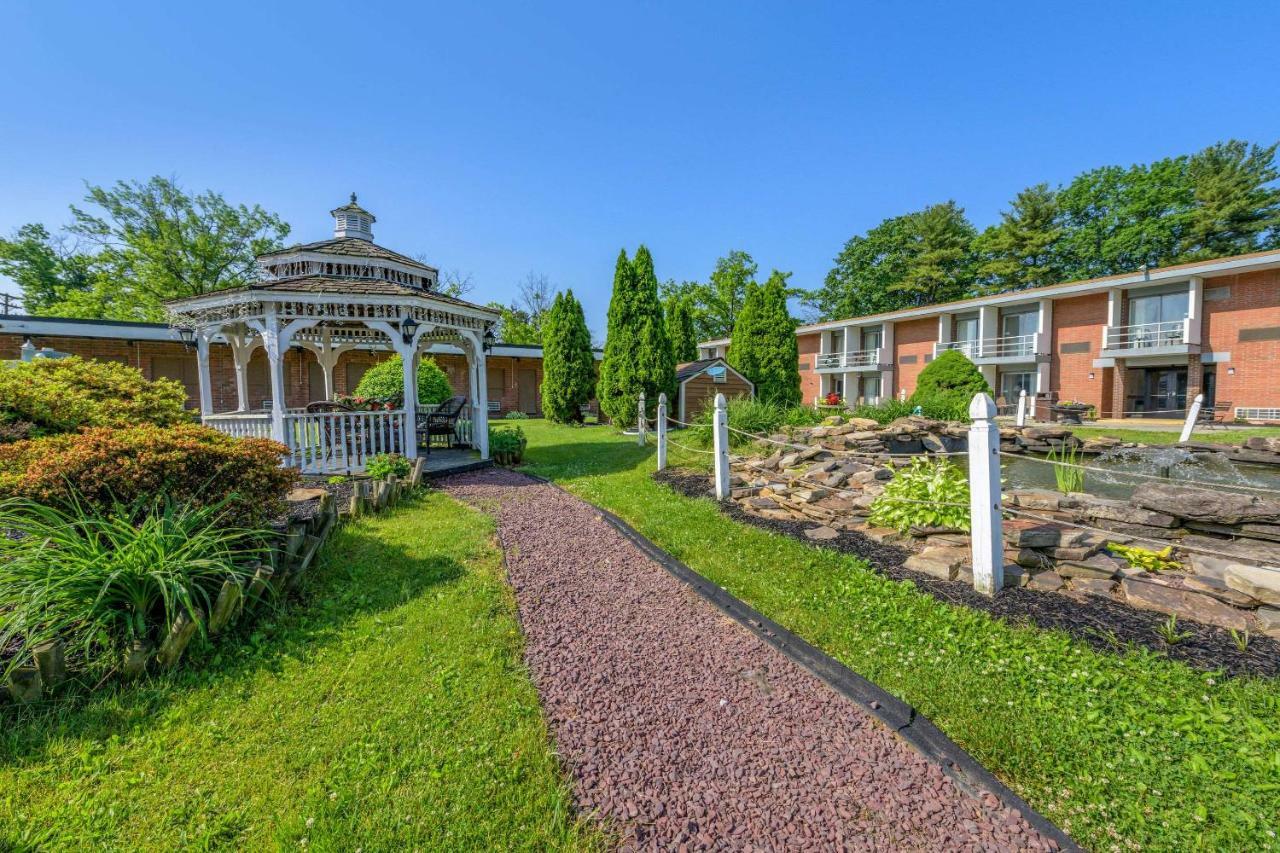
48	396
187	463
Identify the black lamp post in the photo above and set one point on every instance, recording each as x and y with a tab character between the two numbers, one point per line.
489	337
187	335
408	327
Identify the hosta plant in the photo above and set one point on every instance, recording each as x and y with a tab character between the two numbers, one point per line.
924	494
104	579
385	464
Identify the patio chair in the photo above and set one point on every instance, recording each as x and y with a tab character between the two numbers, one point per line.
1215	417
442	422
329	432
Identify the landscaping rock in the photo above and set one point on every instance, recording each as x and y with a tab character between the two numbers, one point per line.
1124	512
1099	566
1219	590
1268	621
1149	594
25	685
1045	582
1204	505
1093	586
821	533
1032	534
938	562
1255	581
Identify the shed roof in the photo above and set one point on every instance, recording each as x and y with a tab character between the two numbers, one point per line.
690	369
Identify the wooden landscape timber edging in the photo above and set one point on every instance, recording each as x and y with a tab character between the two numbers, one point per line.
290	557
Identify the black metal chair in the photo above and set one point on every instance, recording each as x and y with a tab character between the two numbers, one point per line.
1216	416
442	422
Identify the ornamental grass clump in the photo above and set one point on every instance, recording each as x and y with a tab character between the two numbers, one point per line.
105	579
753	416
188	463
924	494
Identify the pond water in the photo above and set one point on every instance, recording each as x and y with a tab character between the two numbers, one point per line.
1172	463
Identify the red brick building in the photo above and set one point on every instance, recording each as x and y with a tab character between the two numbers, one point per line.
514	370
1142	344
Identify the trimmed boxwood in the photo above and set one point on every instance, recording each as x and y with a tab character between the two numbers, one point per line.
385	382
947	385
187	463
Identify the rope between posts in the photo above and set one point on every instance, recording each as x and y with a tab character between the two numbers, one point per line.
685	447
1138	475
1116	535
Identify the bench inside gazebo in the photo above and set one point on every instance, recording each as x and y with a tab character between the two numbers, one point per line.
329	298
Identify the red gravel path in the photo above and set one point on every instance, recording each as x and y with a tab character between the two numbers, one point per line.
683	730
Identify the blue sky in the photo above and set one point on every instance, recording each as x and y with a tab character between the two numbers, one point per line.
503	138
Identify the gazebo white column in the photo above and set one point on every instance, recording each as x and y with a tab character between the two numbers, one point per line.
327	354
242	342
202	370
272	339
479	394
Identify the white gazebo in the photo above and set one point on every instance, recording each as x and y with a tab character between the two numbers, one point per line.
331	297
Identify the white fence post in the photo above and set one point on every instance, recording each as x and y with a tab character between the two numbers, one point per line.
1193	414
640	420
1022	407
720	441
987	534
662	431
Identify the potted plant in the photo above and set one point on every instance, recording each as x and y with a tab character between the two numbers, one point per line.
1072	411
507	445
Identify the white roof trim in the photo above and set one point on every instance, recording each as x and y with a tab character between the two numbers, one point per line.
327	258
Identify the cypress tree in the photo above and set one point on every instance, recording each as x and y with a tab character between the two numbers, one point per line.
684	342
777	359
568	365
656	364
618	388
742	355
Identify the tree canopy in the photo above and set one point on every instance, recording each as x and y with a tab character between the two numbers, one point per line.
1218	202
568	364
716	304
141	244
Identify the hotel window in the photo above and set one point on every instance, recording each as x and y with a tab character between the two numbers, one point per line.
871	338
967	327
1011	384
869	389
837	341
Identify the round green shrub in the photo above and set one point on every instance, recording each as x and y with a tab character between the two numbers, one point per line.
48	396
947	385
385	464
385	382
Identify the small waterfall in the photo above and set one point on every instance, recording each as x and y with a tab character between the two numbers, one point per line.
1172	463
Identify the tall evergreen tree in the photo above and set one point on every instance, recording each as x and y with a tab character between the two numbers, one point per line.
743	355
568	365
637	351
1019	252
684	340
938	262
777	360
1237	208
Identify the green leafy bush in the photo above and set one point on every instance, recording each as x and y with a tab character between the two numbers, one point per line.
385	464
1142	558
947	386
516	415
188	463
507	440
385	382
924	494
48	396
753	416
103	578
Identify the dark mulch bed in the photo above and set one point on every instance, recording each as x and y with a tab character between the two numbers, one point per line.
305	510
1105	625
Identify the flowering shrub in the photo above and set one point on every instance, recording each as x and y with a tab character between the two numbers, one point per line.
832	399
189	464
54	395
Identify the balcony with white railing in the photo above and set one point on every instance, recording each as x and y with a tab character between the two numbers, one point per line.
863	359
1168	338
1010	349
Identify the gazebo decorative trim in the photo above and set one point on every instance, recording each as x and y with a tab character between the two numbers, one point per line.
367	306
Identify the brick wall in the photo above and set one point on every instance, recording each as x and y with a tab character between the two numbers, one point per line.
1251	305
912	338
810	381
1078	322
303	380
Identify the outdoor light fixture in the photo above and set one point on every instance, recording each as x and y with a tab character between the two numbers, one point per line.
408	327
489	337
1231	371
1090	375
187	335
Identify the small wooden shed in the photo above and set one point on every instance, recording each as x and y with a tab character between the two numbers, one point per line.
701	380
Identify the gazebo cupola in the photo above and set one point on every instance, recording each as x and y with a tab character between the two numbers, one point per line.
329	298
352	220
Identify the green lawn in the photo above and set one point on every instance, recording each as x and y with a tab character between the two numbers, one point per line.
1123	750
1151	436
389	710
